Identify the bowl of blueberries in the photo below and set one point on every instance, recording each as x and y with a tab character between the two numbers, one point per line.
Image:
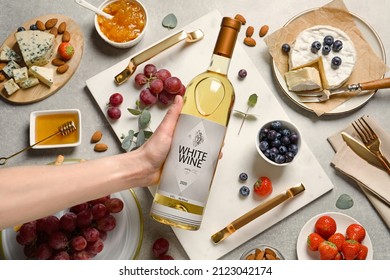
278	142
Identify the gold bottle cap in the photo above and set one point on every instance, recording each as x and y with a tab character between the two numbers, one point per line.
227	37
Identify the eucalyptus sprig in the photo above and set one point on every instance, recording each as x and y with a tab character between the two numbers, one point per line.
252	100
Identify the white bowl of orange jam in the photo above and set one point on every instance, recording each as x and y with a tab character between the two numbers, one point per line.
128	25
47	122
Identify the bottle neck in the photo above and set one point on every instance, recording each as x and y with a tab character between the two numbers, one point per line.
219	64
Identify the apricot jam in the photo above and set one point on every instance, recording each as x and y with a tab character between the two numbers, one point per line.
127	24
46	125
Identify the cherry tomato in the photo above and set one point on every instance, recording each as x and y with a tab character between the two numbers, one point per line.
263	186
65	50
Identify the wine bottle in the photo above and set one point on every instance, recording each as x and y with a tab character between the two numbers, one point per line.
189	169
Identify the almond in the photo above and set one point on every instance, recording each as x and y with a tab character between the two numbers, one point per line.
54	31
249	31
49	24
240	18
97	136
100	147
62	69
40	25
57	62
250	42
62	27
263	30
66	36
2	78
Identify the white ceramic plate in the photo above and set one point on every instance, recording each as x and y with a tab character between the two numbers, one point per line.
371	36
122	243
342	221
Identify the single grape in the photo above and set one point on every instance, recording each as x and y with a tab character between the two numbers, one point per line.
114	113
99	200
107	223
182	90
81	255
116	99
28	232
172	85
98	211
84	218
95	247
150	70
68	222
163	74
61	255
44	251
48	224
114	205
160	247
78	243
147	98
90	234
58	240
165	98
156	86
140	79
30	251
79	207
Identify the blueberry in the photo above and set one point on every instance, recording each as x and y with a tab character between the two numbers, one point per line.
286	48
33	27
271	135
326	49
289	156
267	153
337	46
328	40
243	176
276	125
21	28
286	132
315	46
242	73
276	143
263	133
293	149
280	159
285	140
273	152
336	62
283	150
294	138
263	146
244	191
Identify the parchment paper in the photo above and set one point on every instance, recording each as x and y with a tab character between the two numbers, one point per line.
368	65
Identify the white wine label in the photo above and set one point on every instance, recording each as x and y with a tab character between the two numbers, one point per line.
190	165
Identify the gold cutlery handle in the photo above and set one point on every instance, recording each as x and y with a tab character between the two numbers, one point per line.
383	160
377	84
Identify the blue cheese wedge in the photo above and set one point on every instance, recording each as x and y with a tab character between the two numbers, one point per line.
9	68
29	82
44	74
20	74
11	87
8	54
303	79
301	53
36	46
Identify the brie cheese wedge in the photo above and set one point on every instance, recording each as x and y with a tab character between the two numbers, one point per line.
303	79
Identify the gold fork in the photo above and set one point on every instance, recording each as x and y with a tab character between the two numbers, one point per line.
370	140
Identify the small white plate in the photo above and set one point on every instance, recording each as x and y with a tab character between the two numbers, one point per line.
342	222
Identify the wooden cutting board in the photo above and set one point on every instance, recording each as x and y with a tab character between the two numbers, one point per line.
41	91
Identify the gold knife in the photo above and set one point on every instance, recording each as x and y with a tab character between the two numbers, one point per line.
361	150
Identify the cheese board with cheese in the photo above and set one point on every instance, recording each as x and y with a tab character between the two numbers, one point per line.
28	71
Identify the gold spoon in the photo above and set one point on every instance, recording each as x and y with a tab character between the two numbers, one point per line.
154	50
63	129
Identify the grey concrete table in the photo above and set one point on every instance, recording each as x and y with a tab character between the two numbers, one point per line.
14	119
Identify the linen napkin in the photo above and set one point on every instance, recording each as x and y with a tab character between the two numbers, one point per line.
373	181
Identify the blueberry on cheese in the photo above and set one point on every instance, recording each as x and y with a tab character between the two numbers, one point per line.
36	46
8	54
11	87
44	74
302	53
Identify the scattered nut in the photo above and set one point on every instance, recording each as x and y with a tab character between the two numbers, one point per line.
250	42
263	30
66	36
62	69
62	27
240	18
2	78
57	62
249	31
96	137
49	24
54	31
100	147
266	254
40	25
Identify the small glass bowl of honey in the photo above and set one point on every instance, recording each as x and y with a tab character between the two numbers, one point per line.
128	25
47	122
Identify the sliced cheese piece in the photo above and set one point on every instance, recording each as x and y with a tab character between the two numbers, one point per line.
29	82
44	74
36	46
20	74
9	68
11	87
8	54
319	65
303	79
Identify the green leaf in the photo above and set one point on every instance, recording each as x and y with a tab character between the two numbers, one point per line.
144	119
134	112
147	133
239	112
128	141
169	21
140	138
252	100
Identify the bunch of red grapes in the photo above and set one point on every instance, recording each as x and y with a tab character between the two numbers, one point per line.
77	235
160	85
